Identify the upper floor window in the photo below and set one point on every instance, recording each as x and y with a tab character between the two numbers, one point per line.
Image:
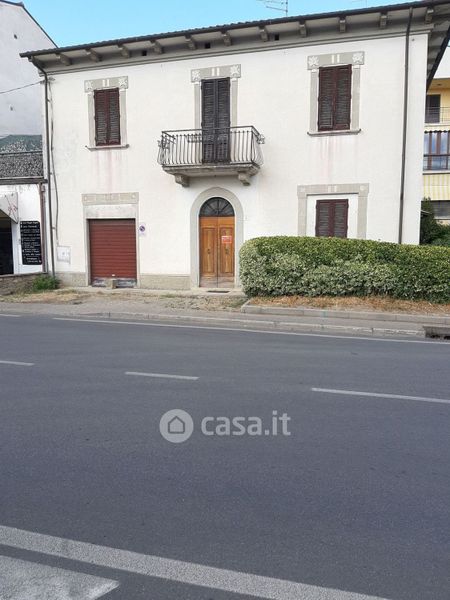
335	94
107	117
433	108
436	151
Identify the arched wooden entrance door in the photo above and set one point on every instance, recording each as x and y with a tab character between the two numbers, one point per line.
216	227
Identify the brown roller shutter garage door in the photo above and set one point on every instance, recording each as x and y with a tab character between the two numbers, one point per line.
112	249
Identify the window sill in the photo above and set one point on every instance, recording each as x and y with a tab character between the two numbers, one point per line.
117	146
436	172
325	133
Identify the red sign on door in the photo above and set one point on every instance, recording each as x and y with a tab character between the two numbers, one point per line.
227	239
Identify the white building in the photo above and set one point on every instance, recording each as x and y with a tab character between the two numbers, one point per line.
21	120
309	125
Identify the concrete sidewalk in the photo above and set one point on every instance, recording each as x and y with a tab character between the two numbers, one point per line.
227	312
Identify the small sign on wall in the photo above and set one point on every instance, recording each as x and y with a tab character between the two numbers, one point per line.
227	239
63	254
142	229
30	236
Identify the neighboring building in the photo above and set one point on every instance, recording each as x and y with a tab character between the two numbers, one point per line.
321	97
21	167
436	162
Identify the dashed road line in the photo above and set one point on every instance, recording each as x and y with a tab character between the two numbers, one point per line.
16	363
161	375
378	395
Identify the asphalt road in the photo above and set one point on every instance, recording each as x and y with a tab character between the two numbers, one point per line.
354	504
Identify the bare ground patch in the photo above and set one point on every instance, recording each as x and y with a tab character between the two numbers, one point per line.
373	303
135	298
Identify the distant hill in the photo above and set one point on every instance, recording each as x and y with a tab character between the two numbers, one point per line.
20	143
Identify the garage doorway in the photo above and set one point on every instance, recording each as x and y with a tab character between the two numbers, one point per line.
112	244
217	243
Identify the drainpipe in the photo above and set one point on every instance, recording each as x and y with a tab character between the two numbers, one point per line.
405	127
49	185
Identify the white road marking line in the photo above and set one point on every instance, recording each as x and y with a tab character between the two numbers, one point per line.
173	570
16	363
265	331
161	375
376	395
8	315
23	580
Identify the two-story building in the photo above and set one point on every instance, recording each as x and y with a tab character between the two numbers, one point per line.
22	183
436	161
170	150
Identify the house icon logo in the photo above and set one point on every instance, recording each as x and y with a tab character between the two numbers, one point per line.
176	426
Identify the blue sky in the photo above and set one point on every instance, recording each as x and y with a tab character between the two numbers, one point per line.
78	21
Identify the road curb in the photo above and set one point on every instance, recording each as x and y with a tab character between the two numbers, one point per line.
253	324
419	320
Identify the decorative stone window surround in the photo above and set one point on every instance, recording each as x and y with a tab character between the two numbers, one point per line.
315	62
343	189
197	75
90	86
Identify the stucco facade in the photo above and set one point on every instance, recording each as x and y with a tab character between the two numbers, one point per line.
21	123
274	89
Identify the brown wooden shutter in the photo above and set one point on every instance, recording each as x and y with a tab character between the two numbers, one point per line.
107	117
216	119
326	98
340	218
324	218
332	218
335	84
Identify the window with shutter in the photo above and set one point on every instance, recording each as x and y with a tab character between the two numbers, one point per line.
332	218
335	85
107	117
216	120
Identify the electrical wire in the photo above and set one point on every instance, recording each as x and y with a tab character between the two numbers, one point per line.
20	88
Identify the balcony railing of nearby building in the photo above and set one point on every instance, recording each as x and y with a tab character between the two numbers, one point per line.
226	150
435	116
436	162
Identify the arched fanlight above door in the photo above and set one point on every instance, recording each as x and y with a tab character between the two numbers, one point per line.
217	207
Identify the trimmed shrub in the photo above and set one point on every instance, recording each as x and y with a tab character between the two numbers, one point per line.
278	266
45	282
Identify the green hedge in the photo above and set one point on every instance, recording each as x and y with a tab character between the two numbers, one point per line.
277	266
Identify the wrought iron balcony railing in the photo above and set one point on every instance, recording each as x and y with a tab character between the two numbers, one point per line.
197	151
437	115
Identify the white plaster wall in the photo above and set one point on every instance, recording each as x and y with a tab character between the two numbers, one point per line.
29	210
20	111
274	96
414	140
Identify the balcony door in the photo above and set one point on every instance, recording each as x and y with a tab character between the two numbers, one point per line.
216	228
216	120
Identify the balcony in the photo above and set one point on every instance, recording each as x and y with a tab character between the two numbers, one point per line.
210	152
436	162
437	116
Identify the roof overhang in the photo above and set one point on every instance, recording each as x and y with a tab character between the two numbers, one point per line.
432	17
